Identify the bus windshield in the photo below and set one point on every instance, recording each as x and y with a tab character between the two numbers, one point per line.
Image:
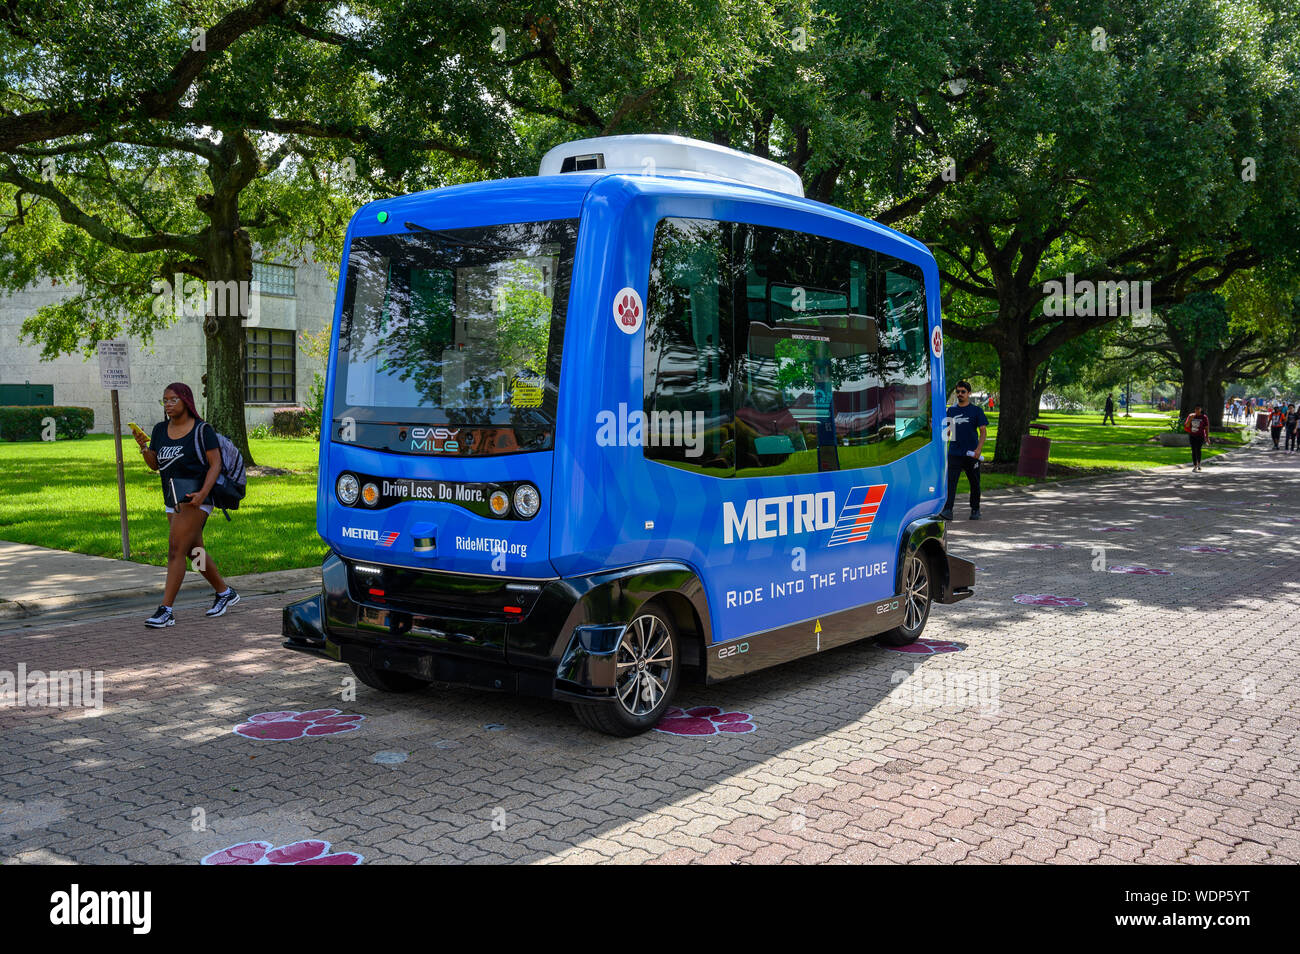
460	329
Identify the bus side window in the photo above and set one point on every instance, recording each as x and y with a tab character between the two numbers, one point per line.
906	369
792	345
834	356
688	351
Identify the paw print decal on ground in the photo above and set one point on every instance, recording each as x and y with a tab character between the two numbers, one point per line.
286	725
1115	529
1044	546
310	852
1206	549
1047	599
1139	570
704	720
928	647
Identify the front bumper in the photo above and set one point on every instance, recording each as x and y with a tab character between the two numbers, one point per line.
561	645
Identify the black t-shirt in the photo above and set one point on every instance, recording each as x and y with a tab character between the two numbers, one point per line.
179	458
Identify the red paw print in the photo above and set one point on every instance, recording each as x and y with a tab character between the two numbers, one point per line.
1206	549
311	852
703	720
279	726
929	647
1139	570
1045	546
1047	599
628	311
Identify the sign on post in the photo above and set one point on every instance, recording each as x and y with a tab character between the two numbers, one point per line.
114	365
115	374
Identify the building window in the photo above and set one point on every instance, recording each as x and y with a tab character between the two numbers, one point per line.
269	370
277	280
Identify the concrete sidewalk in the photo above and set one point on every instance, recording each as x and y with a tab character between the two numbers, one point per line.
35	580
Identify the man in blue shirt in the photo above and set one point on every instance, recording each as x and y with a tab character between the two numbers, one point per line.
967	429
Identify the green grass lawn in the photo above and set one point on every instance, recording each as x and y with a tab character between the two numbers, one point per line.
63	495
1081	444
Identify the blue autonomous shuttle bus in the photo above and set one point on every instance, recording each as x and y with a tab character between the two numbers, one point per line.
649	413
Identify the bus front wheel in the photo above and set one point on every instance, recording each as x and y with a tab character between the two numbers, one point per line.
648	669
387	681
918	583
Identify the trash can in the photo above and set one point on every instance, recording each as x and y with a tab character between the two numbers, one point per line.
1034	450
1261	421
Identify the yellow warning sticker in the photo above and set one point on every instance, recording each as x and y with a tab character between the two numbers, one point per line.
523	394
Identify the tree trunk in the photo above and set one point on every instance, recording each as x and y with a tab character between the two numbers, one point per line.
230	266
1036	392
1016	394
1215	397
1193	385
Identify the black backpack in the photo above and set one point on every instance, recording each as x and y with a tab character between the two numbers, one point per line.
232	482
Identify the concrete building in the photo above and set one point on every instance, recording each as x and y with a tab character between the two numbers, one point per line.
286	301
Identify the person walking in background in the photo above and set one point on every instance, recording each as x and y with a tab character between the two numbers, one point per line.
968	429
1197	427
1276	421
1290	425
1109	411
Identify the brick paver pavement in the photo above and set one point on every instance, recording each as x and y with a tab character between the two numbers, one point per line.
1157	724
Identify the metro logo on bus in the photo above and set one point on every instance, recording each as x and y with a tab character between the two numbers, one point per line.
858	515
765	517
385	539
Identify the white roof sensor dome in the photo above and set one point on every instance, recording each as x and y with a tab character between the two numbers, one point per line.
650	155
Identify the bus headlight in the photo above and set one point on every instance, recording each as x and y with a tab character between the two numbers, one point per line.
499	502
527	500
347	488
370	495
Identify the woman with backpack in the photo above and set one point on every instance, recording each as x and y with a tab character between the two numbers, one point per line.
1197	427
187	478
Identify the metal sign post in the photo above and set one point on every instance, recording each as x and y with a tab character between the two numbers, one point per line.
115	373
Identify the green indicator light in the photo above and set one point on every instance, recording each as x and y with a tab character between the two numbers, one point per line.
383	217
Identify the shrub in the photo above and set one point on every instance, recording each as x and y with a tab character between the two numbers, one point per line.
316	404
259	432
291	421
26	423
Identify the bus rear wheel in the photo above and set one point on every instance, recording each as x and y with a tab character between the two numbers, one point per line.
648	670
918	581
387	681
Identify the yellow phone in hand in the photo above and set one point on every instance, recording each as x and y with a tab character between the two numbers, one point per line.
137	429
